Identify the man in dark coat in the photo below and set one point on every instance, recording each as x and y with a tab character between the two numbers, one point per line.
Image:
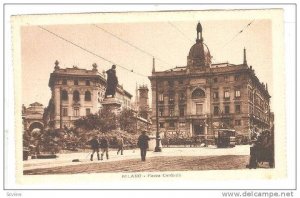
104	144
143	144
95	147
120	145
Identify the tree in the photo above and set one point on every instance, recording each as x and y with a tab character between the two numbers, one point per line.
89	122
104	121
108	120
127	120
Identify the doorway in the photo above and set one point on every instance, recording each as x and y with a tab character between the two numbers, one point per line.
198	129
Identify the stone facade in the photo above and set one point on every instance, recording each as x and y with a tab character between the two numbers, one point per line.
201	97
33	117
143	103
78	92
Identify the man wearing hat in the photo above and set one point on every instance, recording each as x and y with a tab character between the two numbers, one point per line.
95	147
104	144
143	144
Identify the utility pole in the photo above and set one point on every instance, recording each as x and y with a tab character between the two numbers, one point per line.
157	147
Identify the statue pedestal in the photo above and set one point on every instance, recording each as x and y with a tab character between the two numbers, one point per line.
112	104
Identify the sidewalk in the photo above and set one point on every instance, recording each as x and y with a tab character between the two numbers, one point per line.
84	157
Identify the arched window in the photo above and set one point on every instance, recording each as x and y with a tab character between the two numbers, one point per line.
198	93
87	96
76	97
64	95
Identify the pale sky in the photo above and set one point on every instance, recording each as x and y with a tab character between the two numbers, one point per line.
40	49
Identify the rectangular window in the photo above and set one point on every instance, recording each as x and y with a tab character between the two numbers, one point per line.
161	97
226	94
87	111
181	111
227	110
65	111
226	78
237	93
237	108
181	96
238	123
199	109
236	77
172	124
76	111
216	95
216	80
216	110
171	97
87	83
75	82
171	111
161	125
64	82
161	112
251	96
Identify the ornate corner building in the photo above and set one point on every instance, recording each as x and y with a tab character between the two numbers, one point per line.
78	92
201	97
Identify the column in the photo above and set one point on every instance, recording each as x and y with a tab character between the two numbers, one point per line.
191	128
205	129
82	104
57	107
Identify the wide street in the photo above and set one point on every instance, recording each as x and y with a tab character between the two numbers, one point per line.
170	159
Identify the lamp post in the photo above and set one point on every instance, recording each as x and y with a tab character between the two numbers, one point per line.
60	109
157	147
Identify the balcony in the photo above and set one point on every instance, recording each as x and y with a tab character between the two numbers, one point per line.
196	116
226	99
161	102
171	101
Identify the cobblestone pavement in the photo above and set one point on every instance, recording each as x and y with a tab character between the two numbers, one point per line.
162	163
65	159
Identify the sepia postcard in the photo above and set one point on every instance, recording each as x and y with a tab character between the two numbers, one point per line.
177	96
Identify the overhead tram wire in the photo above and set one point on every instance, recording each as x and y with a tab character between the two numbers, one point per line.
90	52
176	28
240	32
132	45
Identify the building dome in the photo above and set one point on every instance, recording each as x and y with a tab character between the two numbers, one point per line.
199	54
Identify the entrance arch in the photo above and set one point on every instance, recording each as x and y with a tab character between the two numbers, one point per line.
36	125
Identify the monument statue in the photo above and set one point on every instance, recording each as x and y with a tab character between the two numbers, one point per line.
112	82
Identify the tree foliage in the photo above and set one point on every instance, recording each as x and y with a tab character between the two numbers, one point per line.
104	121
127	121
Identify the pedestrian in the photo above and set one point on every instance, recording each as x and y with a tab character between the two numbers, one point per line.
104	144
143	144
120	145
95	147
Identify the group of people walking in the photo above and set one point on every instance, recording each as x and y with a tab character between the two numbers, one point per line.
103	144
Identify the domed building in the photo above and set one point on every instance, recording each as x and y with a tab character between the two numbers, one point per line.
199	54
202	97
